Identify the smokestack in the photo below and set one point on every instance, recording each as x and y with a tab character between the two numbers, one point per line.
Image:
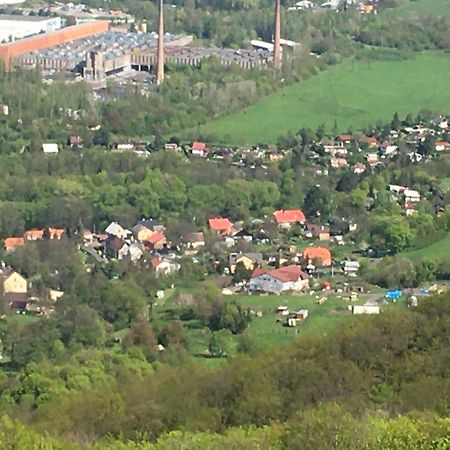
277	36
160	51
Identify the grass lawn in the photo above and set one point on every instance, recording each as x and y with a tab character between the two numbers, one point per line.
419	7
355	94
322	318
439	250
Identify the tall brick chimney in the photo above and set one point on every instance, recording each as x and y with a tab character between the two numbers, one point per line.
277	36
160	51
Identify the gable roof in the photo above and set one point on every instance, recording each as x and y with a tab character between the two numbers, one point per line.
157	236
199	146
289	216
115	229
322	253
220	224
285	274
195	237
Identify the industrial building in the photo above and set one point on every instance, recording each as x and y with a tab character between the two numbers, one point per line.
12	50
17	27
107	53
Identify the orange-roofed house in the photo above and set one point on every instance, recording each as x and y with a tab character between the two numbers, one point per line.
315	254
12	243
199	149
288	278
157	240
285	218
33	235
222	225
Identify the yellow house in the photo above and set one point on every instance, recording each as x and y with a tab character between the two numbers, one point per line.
14	283
250	260
142	233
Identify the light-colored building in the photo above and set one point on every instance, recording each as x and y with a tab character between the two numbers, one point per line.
13	27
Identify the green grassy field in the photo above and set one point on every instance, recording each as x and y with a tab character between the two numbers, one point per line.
419	7
439	250
355	94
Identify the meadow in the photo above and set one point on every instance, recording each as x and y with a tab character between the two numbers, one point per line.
352	95
419	7
439	251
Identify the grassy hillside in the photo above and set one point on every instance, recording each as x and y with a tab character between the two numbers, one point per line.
420	7
439	250
354	94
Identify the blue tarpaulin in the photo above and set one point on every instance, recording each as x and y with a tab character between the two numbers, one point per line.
393	295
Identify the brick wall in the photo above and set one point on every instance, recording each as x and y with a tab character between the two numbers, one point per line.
42	41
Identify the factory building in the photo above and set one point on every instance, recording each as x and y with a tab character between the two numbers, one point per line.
13	50
18	27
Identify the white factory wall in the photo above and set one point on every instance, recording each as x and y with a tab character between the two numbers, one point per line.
11	30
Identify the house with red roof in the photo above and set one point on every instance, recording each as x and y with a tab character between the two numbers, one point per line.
285	218
317	256
156	241
33	235
345	138
287	278
199	149
12	243
221	225
441	146
164	266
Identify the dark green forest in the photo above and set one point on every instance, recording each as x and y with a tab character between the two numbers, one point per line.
380	383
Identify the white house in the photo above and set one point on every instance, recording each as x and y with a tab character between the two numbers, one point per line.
289	278
115	229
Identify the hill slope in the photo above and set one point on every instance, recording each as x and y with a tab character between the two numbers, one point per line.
354	94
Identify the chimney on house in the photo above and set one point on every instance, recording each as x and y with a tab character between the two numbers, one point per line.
277	36
160	50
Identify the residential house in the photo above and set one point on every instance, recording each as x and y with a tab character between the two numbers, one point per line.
336	150
351	268
317	231
164	266
141	232
114	229
199	149
388	150
372	159
195	240
75	141
345	138
358	168
115	247
411	195
50	148
286	218
222	225
288	278
441	146
14	289
12	243
156	241
338	163
134	251
371	141
320	255
250	260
